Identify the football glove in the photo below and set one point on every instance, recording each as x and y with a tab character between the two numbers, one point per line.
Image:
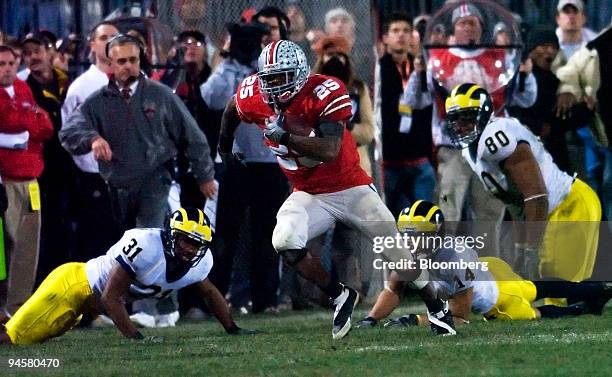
274	130
405	320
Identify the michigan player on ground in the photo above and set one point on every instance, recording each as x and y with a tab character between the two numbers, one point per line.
303	118
147	262
490	288
561	213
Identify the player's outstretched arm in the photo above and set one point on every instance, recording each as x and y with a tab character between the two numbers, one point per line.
217	305
325	148
118	285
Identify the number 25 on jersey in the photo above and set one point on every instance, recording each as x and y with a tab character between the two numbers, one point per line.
325	89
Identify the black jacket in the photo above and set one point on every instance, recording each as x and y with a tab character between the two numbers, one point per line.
397	146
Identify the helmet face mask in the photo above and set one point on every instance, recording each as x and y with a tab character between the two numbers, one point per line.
462	126
468	111
188	236
282	71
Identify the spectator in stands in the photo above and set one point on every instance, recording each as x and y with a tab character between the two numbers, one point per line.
571	32
338	21
277	21
298	29
542	47
572	35
193	49
20	169
406	134
58	180
96	228
588	77
254	191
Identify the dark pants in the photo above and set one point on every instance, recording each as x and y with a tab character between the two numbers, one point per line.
260	189
142	205
57	233
406	184
96	227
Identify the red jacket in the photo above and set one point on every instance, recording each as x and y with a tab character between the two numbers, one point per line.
19	114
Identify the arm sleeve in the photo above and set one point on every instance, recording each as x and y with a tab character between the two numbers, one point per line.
528	96
218	89
78	131
414	96
570	74
70	104
191	139
337	106
499	140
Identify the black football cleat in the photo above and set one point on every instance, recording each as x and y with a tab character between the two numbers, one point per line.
345	303
441	323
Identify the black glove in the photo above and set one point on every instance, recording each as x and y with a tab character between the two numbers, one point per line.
229	158
3	200
405	320
232	160
235	330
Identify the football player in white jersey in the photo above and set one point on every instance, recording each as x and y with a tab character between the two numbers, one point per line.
561	213
146	262
486	286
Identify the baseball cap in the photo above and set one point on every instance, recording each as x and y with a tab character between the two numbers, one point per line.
539	35
578	4
38	39
465	10
193	34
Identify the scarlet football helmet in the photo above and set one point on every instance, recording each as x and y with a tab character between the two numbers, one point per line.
283	71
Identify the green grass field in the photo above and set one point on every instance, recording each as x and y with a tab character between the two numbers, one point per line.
301	345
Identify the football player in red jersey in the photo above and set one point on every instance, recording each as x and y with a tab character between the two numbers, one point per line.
303	118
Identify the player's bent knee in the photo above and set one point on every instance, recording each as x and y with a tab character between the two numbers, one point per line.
286	237
293	256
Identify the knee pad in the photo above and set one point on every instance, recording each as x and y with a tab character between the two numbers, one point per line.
293	256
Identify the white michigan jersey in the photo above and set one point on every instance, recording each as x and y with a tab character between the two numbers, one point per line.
140	252
496	143
456	280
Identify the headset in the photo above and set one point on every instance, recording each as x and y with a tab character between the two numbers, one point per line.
120	39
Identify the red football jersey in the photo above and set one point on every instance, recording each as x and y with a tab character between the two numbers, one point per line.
321	98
